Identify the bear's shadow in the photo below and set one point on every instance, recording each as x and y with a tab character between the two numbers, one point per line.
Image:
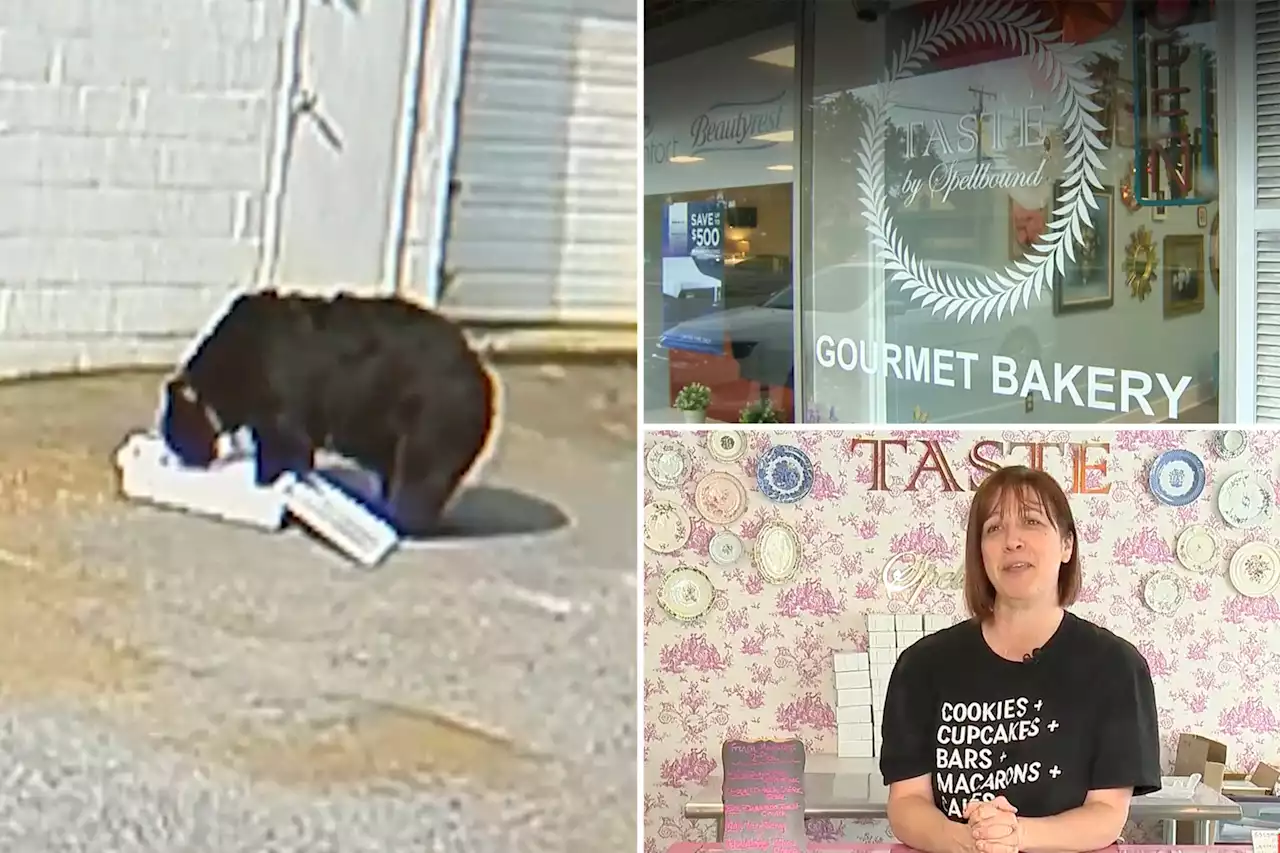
483	511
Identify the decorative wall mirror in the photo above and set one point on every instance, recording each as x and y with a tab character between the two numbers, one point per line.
1214	256
1140	263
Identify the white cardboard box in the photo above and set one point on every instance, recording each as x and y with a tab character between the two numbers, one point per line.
853	714
854	749
851	661
854	731
882	656
227	490
881	639
934	622
853	697
906	638
853	680
879	622
908	622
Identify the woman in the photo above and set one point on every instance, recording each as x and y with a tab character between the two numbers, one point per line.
1025	728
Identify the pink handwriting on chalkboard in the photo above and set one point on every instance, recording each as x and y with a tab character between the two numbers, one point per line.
764	795
774	845
731	825
764	808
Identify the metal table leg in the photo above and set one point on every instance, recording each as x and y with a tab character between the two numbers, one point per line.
1170	832
720	828
1203	832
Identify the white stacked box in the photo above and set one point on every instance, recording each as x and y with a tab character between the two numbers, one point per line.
853	705
862	678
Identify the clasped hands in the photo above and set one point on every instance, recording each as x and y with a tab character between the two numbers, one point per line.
994	825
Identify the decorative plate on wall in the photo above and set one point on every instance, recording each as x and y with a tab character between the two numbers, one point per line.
667	464
726	445
1197	548
1232	442
666	527
784	474
1177	477
686	594
777	552
720	498
1255	569
725	548
1164	592
1246	499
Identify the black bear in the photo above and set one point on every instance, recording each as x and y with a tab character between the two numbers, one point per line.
386	383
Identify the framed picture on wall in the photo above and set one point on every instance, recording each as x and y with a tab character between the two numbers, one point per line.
1026	226
1184	274
1088	282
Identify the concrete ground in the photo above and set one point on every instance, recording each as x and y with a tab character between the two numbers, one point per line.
242	690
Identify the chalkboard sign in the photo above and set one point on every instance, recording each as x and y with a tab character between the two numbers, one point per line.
764	795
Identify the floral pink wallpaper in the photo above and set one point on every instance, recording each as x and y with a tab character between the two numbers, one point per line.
758	663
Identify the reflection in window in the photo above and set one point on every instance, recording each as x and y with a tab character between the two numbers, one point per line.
720	142
737	337
978	170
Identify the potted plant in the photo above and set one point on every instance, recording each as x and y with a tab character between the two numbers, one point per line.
759	412
694	399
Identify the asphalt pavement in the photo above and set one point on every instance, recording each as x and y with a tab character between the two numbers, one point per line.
246	690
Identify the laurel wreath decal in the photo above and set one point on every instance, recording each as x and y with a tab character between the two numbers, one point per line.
1016	26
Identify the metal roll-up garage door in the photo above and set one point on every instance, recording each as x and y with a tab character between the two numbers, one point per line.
542	225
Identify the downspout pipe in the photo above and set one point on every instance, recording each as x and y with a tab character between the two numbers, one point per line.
446	36
398	239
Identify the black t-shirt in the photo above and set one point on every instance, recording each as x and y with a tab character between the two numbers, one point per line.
1080	716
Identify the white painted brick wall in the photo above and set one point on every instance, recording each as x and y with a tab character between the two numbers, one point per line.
134	142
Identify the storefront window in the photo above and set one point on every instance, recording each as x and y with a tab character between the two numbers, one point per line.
1014	214
720	154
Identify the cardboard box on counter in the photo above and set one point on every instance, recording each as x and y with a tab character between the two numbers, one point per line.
1208	757
1203	755
1264	781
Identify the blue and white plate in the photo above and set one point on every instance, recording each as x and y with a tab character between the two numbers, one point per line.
1177	477
784	474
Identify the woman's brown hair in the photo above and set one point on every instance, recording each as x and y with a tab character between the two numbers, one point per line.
1033	489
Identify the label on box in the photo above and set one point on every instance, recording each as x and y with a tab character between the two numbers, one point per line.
1266	840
